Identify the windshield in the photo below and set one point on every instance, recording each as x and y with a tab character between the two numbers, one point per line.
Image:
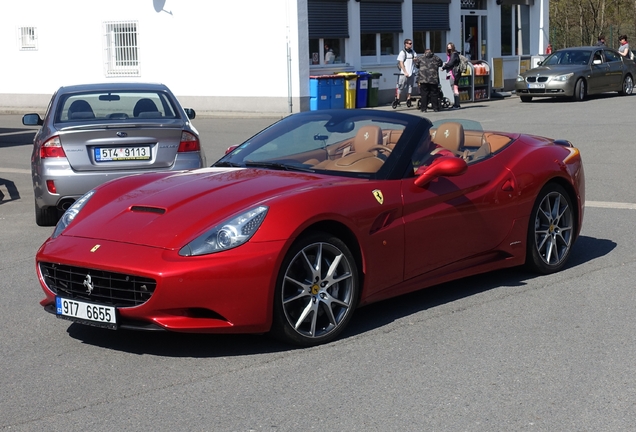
568	57
341	140
98	106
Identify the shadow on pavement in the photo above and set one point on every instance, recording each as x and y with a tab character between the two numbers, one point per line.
14	194
13	137
364	320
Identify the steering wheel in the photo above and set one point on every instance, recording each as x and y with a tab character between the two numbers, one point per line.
379	148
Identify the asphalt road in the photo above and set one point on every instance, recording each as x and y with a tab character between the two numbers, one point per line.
508	351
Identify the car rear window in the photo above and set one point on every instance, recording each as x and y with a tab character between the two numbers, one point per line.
115	106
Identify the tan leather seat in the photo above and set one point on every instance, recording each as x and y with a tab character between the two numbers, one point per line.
367	137
450	135
361	158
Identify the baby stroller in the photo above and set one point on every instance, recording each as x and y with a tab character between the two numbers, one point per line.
443	102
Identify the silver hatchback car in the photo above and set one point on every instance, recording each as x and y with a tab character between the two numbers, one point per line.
94	133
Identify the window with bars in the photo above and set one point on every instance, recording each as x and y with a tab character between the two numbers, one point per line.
27	38
121	49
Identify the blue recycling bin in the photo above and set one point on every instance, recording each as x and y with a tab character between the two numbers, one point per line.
362	89
319	92
337	92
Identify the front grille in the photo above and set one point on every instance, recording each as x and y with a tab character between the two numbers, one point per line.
533	79
97	286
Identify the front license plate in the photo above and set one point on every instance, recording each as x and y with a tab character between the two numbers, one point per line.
536	85
107	154
101	315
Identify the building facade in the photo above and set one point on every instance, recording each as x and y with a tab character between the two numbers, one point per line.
246	55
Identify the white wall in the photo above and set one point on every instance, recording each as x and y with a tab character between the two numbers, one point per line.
216	55
221	54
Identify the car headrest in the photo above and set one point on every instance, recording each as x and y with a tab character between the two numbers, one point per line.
367	137
80	109
450	135
144	105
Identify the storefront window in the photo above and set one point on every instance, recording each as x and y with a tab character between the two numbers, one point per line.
328	30
515	29
380	25
333	51
435	40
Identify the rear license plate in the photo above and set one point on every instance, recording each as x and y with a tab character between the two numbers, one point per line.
536	85
101	315
107	154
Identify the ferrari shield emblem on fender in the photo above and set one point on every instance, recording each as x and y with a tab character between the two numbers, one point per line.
378	195
95	248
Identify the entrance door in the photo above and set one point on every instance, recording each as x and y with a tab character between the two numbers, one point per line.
473	35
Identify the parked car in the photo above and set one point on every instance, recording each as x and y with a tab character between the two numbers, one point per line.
320	213
98	132
577	72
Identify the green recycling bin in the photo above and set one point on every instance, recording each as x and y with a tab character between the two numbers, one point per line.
374	89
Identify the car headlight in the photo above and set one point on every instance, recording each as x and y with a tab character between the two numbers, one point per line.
70	213
520	78
227	235
563	77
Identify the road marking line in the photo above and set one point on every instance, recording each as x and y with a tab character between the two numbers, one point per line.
20	132
15	171
613	205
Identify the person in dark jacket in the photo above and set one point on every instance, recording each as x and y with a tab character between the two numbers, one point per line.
428	79
452	68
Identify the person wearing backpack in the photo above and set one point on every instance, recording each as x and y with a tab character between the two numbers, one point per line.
452	71
407	76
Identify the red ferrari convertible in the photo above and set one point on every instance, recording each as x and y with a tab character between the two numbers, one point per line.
314	216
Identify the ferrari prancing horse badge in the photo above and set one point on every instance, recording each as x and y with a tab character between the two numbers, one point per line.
377	193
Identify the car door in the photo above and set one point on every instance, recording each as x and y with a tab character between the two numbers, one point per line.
454	218
599	80
615	70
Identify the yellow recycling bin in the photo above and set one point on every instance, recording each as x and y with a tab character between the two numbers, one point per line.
350	88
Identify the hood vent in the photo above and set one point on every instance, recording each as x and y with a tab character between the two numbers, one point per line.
146	209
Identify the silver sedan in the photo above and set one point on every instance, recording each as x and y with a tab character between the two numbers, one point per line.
98	132
577	72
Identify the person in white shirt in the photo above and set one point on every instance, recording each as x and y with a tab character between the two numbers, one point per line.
330	56
407	76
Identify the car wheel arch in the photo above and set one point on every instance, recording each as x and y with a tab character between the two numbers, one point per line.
577	96
344	233
571	194
337	238
561	181
622	91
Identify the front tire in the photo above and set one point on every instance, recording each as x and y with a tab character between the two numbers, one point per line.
628	86
580	90
550	230
526	98
316	291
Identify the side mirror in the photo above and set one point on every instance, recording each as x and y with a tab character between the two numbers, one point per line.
190	113
597	61
32	120
445	166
